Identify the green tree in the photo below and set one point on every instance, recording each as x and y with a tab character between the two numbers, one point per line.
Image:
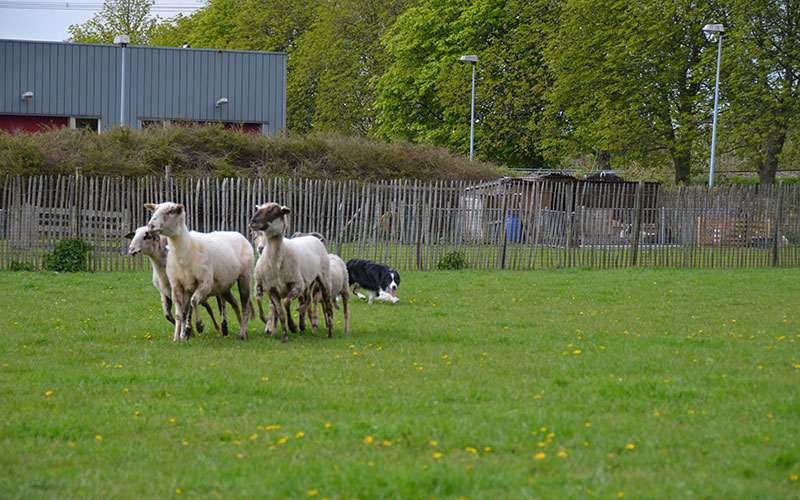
761	51
117	17
333	64
631	80
424	96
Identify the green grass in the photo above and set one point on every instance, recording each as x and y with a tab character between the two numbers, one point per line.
642	383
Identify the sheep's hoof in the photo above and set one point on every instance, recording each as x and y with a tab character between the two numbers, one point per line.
243	336
200	326
224	328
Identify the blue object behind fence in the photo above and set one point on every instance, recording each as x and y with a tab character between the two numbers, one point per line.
512	229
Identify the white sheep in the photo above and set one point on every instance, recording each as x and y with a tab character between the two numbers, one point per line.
288	267
270	319
339	288
202	264
155	248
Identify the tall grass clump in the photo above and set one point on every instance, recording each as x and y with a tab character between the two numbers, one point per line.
213	150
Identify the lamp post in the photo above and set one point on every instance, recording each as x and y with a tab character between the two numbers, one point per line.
122	41
473	60
714	29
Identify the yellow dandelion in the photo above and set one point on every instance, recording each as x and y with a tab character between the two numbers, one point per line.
630	446
283	440
313	493
172	420
299	434
539	456
433	443
562	454
177	491
793	477
471	449
48	393
327	426
437	455
99	437
487	448
253	437
368	440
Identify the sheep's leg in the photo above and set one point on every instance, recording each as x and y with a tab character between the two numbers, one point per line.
235	305
287	303
177	299
346	311
258	293
188	331
302	307
244	297
295	291
210	312
272	320
166	308
222	306
275	299
313	317
327	308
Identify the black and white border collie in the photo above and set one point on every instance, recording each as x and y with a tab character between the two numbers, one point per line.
378	280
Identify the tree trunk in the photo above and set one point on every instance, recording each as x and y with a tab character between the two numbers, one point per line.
769	165
603	159
681	158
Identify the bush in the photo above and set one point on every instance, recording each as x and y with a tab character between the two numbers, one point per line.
69	256
453	261
20	266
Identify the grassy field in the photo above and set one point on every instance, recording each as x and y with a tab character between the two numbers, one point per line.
637	383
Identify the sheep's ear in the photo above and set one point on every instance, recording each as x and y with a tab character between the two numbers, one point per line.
285	210
130	235
179	208
150	206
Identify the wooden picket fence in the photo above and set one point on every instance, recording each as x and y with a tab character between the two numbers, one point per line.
507	224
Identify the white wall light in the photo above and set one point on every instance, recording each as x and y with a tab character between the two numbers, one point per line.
222	101
27	95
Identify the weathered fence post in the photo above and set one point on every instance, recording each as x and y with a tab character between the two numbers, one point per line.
505	223
776	225
637	223
78	193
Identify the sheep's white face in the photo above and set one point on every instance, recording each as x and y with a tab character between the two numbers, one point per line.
167	219
269	218
259	240
143	241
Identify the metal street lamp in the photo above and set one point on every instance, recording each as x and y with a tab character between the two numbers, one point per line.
473	60
714	29
122	41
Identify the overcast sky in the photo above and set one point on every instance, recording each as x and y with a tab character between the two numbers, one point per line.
49	20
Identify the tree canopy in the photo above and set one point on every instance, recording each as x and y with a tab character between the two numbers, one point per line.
118	17
608	84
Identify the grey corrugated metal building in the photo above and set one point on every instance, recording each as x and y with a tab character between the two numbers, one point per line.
78	85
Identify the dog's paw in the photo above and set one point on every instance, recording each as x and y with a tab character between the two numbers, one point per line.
361	296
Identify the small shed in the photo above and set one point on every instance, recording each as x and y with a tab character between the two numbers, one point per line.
546	205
